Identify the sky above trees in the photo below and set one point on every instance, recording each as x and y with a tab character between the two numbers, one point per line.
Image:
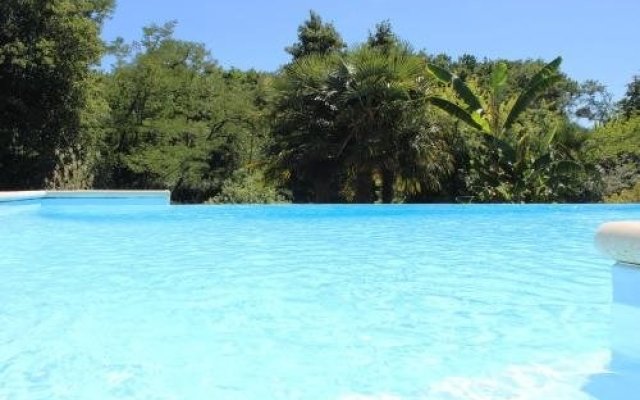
595	37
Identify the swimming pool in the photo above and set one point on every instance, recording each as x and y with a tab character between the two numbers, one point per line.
110	299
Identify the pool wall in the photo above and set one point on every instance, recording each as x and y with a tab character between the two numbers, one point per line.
621	381
621	241
157	196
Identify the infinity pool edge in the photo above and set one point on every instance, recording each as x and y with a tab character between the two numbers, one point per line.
165	195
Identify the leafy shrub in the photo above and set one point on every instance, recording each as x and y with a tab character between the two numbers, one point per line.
631	195
72	172
617	137
619	173
615	148
246	187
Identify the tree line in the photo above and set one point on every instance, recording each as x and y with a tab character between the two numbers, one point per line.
378	121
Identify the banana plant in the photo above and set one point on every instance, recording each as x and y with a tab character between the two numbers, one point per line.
489	115
529	169
509	167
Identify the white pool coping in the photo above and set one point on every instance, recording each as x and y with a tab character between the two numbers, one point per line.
80	194
620	240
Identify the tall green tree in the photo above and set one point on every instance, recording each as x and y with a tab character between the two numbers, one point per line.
306	132
47	50
615	148
178	121
593	102
316	37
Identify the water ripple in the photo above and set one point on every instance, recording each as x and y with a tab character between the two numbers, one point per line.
303	302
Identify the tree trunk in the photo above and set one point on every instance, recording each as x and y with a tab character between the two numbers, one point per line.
388	180
322	189
323	182
364	186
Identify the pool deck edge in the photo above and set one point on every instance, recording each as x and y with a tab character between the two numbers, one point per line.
620	240
82	194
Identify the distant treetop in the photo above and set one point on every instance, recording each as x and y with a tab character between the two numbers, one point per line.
316	37
383	37
630	103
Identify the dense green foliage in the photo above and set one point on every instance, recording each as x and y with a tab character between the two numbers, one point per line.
615	149
631	195
630	104
46	51
372	122
177	120
514	162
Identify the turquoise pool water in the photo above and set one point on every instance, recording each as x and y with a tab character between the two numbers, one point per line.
112	300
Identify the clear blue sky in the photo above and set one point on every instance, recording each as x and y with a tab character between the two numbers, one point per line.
599	39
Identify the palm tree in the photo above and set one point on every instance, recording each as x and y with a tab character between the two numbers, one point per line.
305	132
347	122
378	90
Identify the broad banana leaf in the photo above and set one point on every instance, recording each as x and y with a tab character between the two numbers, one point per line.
440	73
541	81
461	89
505	148
499	80
567	167
542	162
455	111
